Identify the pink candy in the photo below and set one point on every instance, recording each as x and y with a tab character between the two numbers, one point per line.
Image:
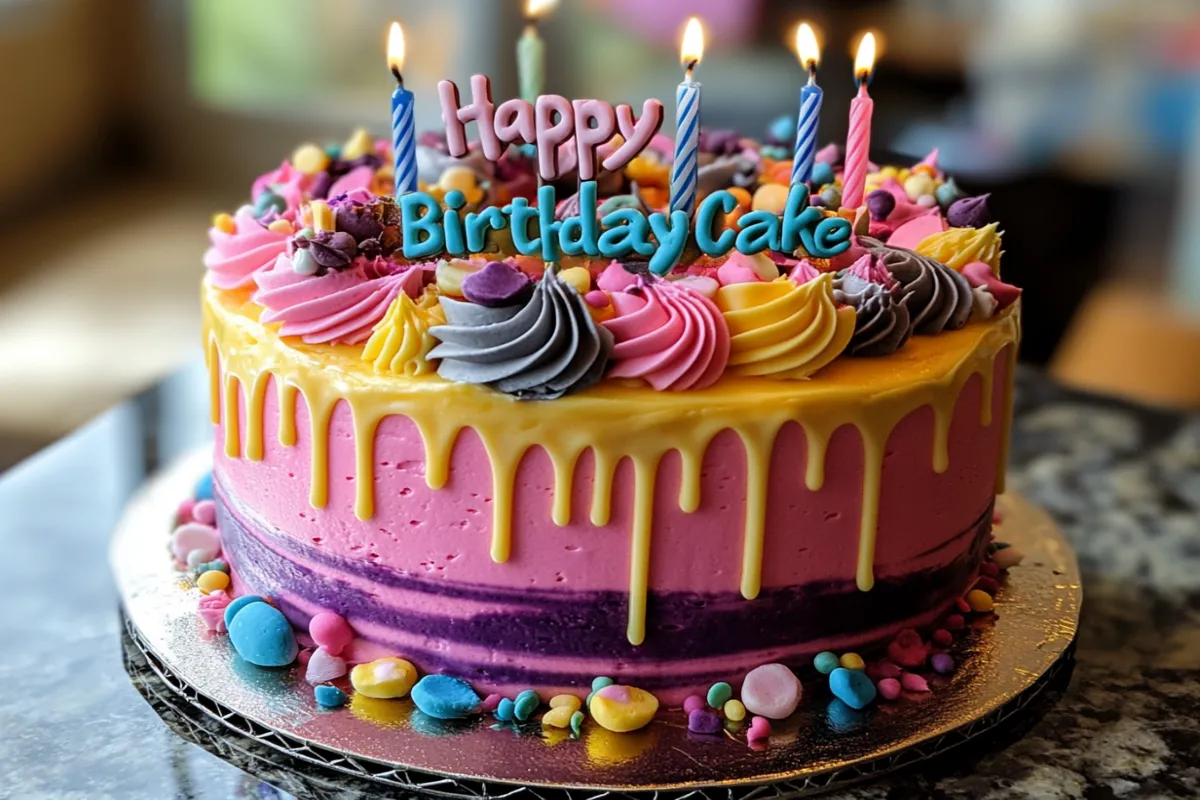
908	650
693	703
212	610
490	703
331	632
205	512
194	536
759	730
889	688
596	299
615	278
913	682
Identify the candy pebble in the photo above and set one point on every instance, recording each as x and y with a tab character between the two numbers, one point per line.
497	285
212	581
719	694
918	184
693	702
880	203
204	487
578	278
444	697
329	697
831	196
826	662
331	631
205	512
303	263
384	678
596	299
310	159
822	174
506	710
942	637
883	669
627	709
852	661
600	682
449	275
703	721
912	682
947	193
358	145
525	704
268	202
942	663
281	226
979	601
771	690
962	605
989	569
759	729
184	512
955	622
323	666
490	703
1007	558
224	223
889	688
770	197
852	687
195	558
988	585
194	536
577	723
261	635
559	717
969	212
734	710
927	201
566	701
218	564
908	649
237	605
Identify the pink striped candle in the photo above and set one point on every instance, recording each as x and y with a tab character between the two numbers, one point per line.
858	141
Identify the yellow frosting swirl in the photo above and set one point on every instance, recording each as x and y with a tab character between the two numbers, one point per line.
401	341
451	273
781	330
958	247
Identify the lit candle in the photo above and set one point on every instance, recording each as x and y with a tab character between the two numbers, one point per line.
531	51
404	134
686	168
858	141
810	106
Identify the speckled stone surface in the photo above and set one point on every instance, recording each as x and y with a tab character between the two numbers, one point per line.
1122	481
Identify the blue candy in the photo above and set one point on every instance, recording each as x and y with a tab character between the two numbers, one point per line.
238	604
525	704
852	687
262	635
844	719
506	711
822	174
782	129
444	697
600	682
826	662
330	697
204	487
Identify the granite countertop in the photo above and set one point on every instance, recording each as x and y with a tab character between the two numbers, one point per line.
1122	481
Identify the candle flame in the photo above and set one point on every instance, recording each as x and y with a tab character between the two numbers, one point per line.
864	61
807	49
534	9
692	49
395	48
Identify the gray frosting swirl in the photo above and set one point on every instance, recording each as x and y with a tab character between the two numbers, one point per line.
937	297
881	321
538	351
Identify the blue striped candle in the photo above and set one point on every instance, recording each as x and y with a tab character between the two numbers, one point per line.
685	171
806	131
404	141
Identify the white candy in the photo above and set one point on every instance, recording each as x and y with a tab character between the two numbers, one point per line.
323	667
192	536
771	691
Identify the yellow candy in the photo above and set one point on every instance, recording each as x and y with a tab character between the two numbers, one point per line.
310	159
888	172
852	661
358	145
919	184
980	601
212	581
770	197
623	714
566	701
958	247
734	710
450	274
558	717
322	215
648	171
224	223
384	678
578	278
281	226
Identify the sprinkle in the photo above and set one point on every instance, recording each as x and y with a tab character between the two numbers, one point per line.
979	601
577	724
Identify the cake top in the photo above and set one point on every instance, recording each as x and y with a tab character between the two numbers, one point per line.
546	257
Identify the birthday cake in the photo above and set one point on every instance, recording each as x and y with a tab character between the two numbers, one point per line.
534	419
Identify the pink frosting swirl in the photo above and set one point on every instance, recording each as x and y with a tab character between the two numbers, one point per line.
670	336
339	307
288	182
234	257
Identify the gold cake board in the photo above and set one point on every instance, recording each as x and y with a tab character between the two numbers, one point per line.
1008	665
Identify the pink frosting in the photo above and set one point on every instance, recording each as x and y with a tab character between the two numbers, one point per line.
337	307
979	273
615	278
803	272
670	336
358	179
872	272
234	257
287	182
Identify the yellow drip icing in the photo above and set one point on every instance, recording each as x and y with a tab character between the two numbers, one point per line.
211	360
615	420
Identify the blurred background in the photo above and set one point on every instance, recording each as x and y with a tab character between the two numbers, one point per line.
127	123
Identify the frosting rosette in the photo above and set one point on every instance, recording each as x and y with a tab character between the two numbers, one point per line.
881	321
958	247
937	297
401	342
233	258
670	336
781	330
539	350
341	307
